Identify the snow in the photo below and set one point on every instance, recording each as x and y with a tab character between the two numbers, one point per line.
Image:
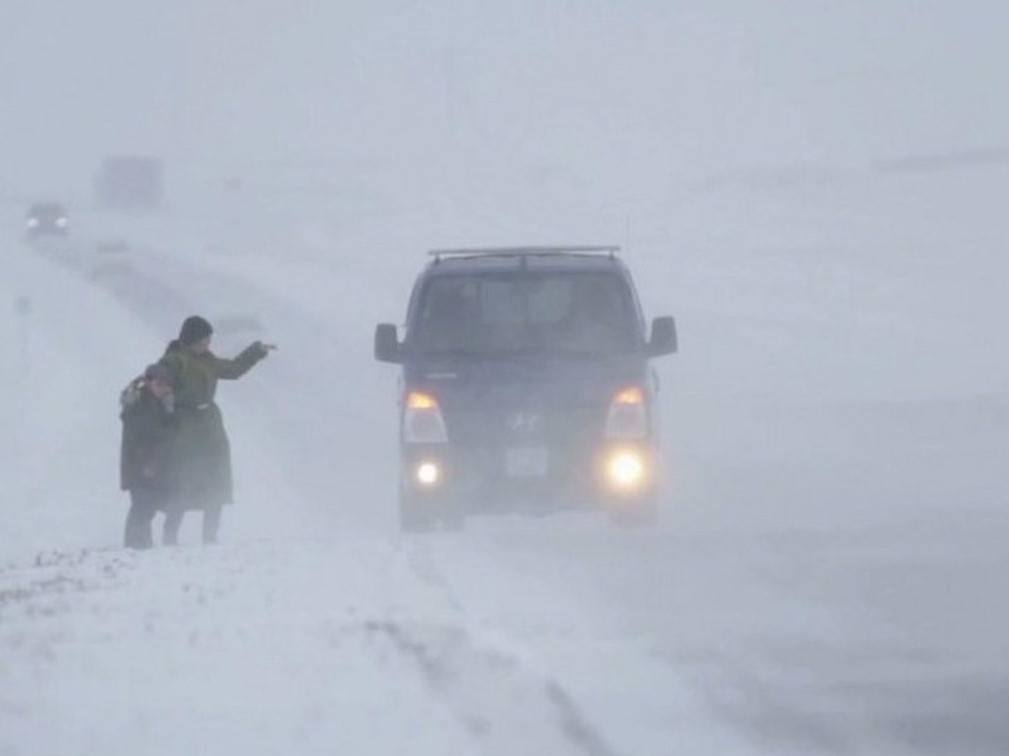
59	405
814	586
817	195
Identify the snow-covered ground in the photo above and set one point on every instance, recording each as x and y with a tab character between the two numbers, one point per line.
825	579
815	190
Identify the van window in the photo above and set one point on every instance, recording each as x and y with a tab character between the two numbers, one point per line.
588	313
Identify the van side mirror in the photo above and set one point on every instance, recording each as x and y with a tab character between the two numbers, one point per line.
387	346
663	339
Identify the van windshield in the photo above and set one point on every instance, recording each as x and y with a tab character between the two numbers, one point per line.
578	313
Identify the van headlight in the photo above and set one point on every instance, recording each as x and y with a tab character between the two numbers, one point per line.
422	419
626	470
427	474
628	415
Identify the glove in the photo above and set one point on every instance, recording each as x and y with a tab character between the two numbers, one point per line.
264	349
168	402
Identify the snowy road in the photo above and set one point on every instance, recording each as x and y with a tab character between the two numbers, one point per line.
262	648
496	643
799	598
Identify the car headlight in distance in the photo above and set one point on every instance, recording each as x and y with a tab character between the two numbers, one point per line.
32	222
626	469
61	222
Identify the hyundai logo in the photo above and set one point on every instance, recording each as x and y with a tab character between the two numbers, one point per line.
524	423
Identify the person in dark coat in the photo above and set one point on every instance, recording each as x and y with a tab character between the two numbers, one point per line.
145	464
202	450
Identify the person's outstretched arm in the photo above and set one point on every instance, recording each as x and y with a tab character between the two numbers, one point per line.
229	370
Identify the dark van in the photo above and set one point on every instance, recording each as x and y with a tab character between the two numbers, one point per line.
526	387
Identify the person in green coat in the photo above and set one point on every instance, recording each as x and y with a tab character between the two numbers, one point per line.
202	454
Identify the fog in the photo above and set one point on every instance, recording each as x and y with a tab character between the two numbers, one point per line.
813	190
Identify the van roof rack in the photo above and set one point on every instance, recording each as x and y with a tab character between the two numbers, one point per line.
541	251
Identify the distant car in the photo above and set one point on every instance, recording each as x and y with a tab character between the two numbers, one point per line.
526	387
46	219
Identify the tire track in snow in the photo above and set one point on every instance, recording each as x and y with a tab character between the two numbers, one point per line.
453	663
471	678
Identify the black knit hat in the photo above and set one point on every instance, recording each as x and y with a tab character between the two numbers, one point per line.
194	329
158	372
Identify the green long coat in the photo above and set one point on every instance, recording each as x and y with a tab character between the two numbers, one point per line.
201	454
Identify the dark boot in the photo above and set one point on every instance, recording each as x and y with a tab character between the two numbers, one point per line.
137	533
170	531
211	523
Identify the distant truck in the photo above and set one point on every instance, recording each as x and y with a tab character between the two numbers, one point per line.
130	182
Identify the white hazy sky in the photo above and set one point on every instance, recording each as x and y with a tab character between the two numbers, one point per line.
638	91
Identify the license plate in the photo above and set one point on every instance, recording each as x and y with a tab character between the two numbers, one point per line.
526	462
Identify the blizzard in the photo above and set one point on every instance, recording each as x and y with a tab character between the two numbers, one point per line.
827	574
